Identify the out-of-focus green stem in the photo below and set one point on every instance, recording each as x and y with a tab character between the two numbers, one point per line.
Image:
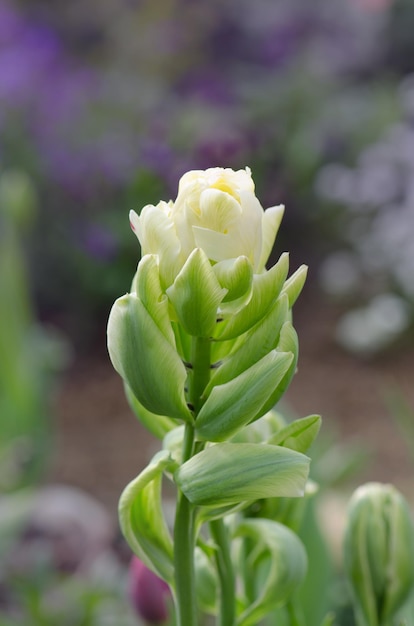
225	570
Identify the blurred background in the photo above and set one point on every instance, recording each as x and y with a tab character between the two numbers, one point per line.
104	104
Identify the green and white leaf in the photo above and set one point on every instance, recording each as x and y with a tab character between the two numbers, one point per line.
142	519
145	359
232	405
229	473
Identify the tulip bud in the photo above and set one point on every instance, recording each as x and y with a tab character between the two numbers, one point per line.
148	594
379	552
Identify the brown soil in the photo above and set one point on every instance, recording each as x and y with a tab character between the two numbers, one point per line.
100	446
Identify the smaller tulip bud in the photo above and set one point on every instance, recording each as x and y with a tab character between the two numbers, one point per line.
379	552
148	593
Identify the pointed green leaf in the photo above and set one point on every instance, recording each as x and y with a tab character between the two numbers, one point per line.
258	342
288	342
228	473
266	288
147	286
158	425
278	563
146	360
299	435
294	285
142	519
196	295
235	275
234	404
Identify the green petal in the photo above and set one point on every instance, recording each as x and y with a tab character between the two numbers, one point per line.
257	342
281	555
235	275
196	295
266	288
146	360
299	435
142	519
234	404
294	285
148	289
158	425
229	473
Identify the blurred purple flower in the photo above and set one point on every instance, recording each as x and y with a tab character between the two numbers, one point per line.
100	243
208	86
148	593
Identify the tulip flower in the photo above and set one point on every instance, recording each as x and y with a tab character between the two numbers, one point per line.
215	210
205	345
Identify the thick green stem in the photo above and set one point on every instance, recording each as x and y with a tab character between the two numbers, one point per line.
226	573
184	531
185	595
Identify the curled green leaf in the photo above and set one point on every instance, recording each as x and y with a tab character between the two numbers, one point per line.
142	519
281	554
